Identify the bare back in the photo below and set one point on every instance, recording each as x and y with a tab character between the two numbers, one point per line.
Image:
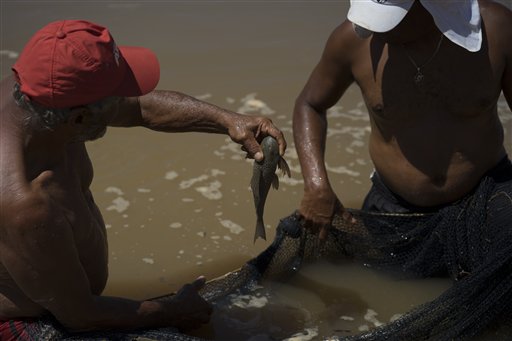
60	184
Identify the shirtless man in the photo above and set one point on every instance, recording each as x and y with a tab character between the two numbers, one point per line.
431	98
70	82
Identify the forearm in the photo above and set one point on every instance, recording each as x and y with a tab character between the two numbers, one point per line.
170	111
309	132
117	313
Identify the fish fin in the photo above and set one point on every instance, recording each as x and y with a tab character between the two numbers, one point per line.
283	166
275	182
259	232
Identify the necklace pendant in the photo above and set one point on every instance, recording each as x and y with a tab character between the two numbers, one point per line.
418	77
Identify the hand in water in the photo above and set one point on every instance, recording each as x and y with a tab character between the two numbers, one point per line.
318	209
192	309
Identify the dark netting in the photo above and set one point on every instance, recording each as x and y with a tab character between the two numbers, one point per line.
470	241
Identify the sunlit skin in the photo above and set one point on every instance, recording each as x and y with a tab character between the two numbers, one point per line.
431	143
53	245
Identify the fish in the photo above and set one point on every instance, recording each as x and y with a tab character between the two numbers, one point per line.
263	176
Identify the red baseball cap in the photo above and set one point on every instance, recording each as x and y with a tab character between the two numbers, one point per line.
69	63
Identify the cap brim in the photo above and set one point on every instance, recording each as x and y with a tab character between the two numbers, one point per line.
378	17
142	73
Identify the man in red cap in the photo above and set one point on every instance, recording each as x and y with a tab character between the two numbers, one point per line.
70	82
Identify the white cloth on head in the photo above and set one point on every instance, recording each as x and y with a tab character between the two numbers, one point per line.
459	20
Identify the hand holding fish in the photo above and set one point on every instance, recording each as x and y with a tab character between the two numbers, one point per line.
250	130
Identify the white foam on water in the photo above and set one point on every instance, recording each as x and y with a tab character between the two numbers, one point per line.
250	104
119	204
395	317
175	225
171	175
346	318
343	170
9	54
148	260
306	335
233	227
237	157
216	172
201	234
212	191
371	316
204	96
357	114
115	190
190	182
248	301
357	133
291	181
363	328
143	190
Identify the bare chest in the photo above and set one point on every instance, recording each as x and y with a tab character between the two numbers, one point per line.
69	189
454	85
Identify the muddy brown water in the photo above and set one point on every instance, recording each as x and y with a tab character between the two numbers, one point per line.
179	205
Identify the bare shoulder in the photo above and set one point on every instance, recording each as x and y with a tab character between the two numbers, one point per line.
26	205
343	43
497	19
494	10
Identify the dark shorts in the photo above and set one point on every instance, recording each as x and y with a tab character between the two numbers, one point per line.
381	199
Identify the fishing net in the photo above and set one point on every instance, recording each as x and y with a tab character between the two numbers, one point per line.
470	241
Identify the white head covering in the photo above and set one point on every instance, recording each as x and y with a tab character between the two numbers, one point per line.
459	20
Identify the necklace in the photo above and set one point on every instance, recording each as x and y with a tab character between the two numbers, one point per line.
418	77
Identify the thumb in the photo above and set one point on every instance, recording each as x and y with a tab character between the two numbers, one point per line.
199	283
253	148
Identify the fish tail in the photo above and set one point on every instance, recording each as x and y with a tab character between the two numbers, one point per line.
275	182
283	166
259	232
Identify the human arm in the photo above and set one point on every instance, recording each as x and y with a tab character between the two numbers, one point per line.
327	83
38	250
171	111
